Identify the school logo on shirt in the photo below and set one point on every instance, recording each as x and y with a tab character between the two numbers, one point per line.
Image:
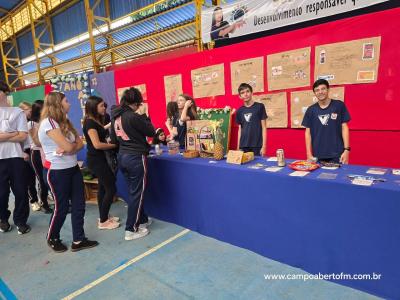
247	117
333	116
119	130
324	119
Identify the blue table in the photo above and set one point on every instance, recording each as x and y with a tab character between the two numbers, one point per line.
319	225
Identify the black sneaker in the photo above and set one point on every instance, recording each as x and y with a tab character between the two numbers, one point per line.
56	245
22	229
85	244
47	210
5	226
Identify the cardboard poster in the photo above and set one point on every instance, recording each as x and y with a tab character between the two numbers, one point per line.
290	69
301	100
348	62
249	71
276	108
173	87
234	157
208	81
140	87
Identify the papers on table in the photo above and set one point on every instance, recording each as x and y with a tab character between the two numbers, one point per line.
376	171
256	166
273	169
299	173
327	176
362	181
396	171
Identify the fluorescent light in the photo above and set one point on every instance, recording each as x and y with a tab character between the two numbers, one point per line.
80	38
121	22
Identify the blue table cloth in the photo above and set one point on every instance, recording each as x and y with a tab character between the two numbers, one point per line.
319	225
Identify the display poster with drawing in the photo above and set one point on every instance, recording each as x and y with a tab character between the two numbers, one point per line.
173	87
290	69
348	62
276	108
208	81
249	71
140	87
301	100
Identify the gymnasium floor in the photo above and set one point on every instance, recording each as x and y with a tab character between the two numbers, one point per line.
170	263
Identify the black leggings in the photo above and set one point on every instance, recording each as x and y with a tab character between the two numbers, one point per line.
37	166
31	179
107	189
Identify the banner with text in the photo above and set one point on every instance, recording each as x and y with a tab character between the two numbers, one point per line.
250	16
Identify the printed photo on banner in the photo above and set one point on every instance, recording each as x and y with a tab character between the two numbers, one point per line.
244	17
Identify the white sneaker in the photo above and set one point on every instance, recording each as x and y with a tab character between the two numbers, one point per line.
35	206
109	224
145	225
114	219
130	235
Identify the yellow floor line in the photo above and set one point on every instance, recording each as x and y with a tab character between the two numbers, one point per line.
125	265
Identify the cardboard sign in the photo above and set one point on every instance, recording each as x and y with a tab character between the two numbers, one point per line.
234	157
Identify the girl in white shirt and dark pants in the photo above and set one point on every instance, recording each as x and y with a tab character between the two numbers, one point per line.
60	143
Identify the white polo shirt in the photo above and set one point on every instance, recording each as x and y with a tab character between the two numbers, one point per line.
49	147
12	119
32	125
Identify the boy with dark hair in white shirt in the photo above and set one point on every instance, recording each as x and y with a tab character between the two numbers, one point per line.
13	132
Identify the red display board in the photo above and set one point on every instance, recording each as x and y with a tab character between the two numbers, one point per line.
374	108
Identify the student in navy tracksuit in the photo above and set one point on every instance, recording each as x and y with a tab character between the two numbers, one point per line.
60	143
130	127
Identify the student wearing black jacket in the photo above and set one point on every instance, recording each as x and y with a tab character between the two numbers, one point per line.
130	127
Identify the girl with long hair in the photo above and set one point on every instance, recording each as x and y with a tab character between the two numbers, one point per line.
172	112
96	135
60	142
130	127
35	159
187	110
29	171
160	137
221	29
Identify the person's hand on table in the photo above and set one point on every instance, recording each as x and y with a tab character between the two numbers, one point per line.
262	151
344	158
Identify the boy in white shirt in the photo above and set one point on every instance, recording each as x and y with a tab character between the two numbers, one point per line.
13	132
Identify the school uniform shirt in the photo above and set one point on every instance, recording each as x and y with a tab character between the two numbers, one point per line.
32	125
12	119
326	128
249	118
53	161
181	130
130	130
101	132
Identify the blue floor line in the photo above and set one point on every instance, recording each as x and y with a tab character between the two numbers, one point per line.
6	292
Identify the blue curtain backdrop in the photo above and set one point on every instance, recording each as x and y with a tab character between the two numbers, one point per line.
103	86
